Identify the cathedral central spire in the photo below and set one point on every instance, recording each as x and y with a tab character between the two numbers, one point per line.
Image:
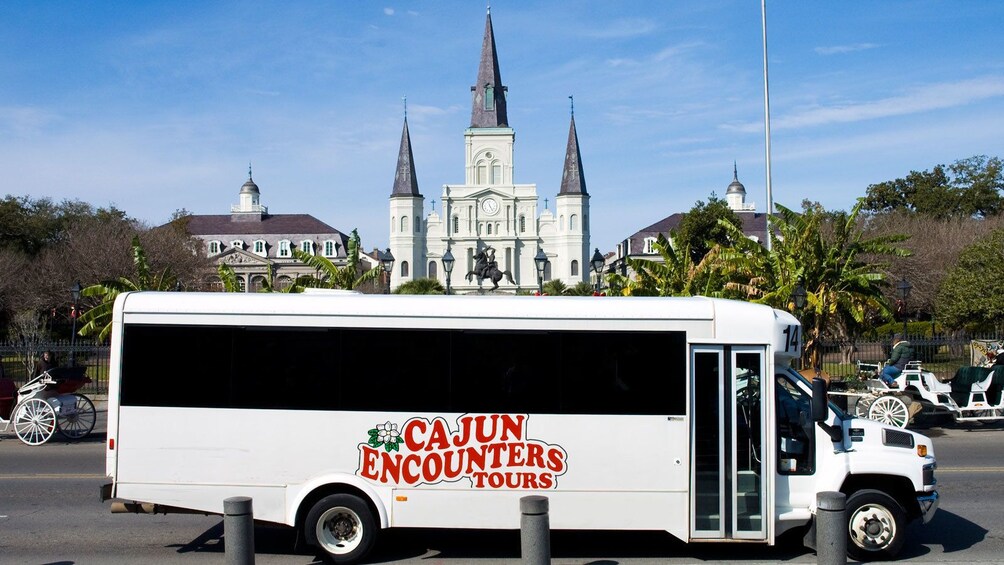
488	93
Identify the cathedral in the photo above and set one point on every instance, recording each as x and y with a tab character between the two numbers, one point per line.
489	224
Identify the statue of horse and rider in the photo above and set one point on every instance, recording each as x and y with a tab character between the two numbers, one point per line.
485	267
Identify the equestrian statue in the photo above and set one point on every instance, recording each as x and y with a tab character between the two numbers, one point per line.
485	267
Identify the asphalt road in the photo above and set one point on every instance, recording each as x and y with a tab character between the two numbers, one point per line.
50	514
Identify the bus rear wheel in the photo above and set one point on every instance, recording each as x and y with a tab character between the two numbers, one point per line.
341	526
876	526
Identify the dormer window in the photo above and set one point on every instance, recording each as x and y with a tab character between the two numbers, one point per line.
330	248
307	246
215	247
259	247
649	247
237	244
284	248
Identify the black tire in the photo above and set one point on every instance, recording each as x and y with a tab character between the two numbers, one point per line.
876	526
342	527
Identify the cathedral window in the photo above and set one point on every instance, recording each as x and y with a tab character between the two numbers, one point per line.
432	270
404	224
393	224
482	172
575	268
489	229
284	248
522	224
561	223
404	268
489	97
456	224
573	222
496	173
418	224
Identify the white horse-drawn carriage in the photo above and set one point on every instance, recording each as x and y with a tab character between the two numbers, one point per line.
973	394
46	404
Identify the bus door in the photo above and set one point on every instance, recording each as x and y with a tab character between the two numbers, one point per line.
727	443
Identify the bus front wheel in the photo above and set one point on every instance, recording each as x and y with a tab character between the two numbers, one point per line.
342	526
875	526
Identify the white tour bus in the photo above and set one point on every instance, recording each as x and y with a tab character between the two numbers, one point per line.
341	414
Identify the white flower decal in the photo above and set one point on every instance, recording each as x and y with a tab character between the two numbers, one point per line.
385	434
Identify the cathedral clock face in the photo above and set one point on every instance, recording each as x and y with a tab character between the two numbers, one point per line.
490	206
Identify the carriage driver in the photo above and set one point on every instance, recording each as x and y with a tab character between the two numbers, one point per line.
902	353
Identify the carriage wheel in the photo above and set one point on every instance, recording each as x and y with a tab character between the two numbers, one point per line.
889	410
77	421
862	405
34	421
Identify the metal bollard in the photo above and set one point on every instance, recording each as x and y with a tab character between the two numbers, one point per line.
831	528
534	530
238	530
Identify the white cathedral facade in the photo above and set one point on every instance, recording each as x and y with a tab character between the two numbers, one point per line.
489	215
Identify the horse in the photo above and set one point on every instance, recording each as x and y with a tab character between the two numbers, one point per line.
485	267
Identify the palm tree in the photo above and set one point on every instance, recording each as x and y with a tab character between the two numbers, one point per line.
555	287
827	258
99	318
675	275
420	286
348	277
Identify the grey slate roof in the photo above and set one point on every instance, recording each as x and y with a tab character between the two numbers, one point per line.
220	224
754	224
572	179
488	75
405	180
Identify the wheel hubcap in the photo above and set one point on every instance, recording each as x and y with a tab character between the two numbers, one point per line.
872	527
339	531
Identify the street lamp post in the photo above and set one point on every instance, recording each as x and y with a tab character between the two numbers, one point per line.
904	292
799	297
597	263
448	261
540	260
387	264
75	294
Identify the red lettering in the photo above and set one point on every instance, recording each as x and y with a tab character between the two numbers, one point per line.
495	480
516	455
496	450
411	461
514	426
530	481
475	458
368	468
481	433
391	466
432	467
555	460
411	429
440	436
479	479
449	471
464	434
535	455
546	480
513	480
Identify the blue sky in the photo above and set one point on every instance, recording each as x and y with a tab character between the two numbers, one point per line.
157	106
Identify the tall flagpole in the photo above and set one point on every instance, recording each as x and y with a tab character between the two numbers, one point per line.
766	118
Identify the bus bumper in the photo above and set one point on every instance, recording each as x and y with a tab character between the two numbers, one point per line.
928	503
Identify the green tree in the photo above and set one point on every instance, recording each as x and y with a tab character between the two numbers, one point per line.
701	228
970	296
828	259
967	188
331	276
99	318
555	287
677	274
420	286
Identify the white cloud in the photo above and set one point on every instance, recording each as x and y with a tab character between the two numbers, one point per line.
388	11
841	49
25	120
922	99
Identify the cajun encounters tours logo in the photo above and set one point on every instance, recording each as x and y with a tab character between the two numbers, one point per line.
491	450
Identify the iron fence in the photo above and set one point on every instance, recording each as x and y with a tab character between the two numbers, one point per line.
941	354
89	354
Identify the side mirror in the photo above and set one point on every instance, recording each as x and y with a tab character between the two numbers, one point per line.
820	408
